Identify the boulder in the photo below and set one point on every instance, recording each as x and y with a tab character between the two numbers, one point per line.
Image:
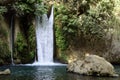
5	72
92	65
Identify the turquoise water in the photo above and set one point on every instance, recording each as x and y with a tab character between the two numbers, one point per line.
47	73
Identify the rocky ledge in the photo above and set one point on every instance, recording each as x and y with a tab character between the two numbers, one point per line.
5	72
92	65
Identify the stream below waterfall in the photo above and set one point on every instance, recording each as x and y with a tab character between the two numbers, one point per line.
48	73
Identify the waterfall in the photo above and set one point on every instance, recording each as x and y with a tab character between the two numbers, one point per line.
44	37
11	39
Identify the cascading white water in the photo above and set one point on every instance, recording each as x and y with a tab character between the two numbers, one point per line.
44	36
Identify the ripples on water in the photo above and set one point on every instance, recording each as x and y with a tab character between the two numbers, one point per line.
47	73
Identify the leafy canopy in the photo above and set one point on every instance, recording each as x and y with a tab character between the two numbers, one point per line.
22	7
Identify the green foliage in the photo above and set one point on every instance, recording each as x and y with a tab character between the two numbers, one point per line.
39	8
25	45
82	20
106	6
4	52
60	39
23	7
21	48
91	26
4	46
3	33
21	44
63	57
31	1
97	19
29	6
3	9
32	41
93	1
66	26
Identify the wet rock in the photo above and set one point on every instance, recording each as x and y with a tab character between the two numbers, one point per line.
5	72
92	65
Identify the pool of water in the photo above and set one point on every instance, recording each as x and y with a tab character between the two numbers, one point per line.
47	73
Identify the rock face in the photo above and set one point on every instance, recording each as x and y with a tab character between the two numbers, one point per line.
5	72
92	65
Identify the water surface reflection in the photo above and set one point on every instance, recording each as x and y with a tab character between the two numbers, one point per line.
72	76
47	73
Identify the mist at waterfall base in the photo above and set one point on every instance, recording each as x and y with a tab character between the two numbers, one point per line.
48	73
